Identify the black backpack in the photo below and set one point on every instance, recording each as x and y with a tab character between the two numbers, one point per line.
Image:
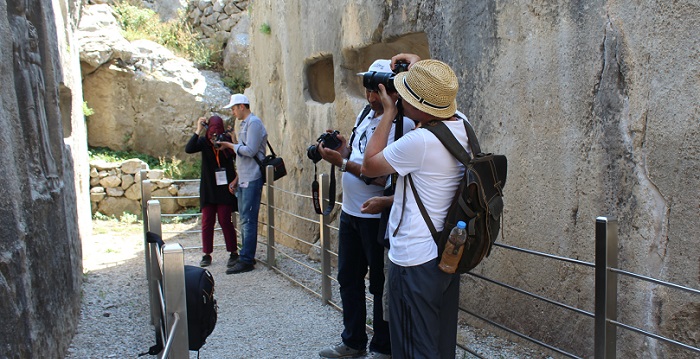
478	200
201	305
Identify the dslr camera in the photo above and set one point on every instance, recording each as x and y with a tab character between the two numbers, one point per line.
329	140
372	79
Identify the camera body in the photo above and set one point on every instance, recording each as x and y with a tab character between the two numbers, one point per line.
221	137
372	79
329	140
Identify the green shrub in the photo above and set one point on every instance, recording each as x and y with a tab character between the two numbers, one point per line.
87	111
265	29
177	35
236	80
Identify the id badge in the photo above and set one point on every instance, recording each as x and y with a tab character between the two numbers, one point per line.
220	174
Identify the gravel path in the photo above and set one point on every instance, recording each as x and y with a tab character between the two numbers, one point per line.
261	313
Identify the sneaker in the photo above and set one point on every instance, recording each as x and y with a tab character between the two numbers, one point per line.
206	261
375	355
341	350
232	259
240	267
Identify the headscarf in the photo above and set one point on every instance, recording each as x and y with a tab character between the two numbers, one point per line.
216	127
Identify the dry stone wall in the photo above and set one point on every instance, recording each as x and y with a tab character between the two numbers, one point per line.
115	189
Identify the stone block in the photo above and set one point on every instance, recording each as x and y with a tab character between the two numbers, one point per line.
110	181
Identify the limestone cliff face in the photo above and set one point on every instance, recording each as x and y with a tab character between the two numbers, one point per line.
44	203
594	103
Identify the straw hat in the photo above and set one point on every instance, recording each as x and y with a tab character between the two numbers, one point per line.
430	86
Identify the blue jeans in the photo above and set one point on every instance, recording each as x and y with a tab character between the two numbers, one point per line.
359	249
248	208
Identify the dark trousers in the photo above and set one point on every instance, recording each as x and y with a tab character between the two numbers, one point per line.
423	305
209	214
358	249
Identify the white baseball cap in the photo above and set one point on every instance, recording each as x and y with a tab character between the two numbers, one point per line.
237	99
380	65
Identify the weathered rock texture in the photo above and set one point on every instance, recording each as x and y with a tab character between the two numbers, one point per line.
594	103
144	98
44	203
115	189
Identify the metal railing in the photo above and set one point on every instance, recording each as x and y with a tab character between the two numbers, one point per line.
605	276
165	273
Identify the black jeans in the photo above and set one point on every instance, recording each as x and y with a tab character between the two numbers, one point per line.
358	249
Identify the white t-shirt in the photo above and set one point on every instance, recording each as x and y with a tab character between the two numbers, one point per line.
355	191
436	174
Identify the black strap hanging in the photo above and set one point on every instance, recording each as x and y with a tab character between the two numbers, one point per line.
315	196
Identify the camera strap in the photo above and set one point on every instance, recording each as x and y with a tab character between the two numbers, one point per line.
315	196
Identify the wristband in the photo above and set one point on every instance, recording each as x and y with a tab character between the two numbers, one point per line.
342	166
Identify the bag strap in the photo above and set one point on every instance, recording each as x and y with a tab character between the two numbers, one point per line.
440	130
365	112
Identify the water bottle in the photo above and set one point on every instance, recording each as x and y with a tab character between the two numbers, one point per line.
454	248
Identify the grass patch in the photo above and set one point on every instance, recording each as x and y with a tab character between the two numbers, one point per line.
237	80
177	35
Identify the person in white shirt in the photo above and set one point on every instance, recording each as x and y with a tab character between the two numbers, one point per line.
423	300
358	247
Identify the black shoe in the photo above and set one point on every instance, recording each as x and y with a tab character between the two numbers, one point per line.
232	259
206	261
240	267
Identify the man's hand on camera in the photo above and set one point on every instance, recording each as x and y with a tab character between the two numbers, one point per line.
388	102
408	58
331	156
200	124
225	144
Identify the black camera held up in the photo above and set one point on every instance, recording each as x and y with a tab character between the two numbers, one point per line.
329	140
372	79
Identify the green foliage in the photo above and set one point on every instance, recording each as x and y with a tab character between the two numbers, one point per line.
128	218
236	80
176	169
265	29
177	35
87	111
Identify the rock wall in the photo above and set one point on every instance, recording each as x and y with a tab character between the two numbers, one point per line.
594	103
44	203
115	189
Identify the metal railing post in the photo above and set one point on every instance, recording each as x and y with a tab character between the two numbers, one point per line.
606	248
325	239
177	345
270	216
153	269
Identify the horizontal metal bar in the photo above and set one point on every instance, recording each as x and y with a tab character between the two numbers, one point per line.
537	296
653	280
297	261
181	215
502	327
292	193
315	221
277	230
655	336
546	255
174	197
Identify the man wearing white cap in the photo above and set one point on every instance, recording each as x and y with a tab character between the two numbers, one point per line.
423	300
250	142
358	247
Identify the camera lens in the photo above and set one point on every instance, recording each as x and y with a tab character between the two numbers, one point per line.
313	154
371	80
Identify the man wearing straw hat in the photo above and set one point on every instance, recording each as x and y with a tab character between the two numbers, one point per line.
422	299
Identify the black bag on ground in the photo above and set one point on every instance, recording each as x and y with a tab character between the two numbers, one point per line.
201	305
478	200
272	160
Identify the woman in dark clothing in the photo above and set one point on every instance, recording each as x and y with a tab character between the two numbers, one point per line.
217	187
